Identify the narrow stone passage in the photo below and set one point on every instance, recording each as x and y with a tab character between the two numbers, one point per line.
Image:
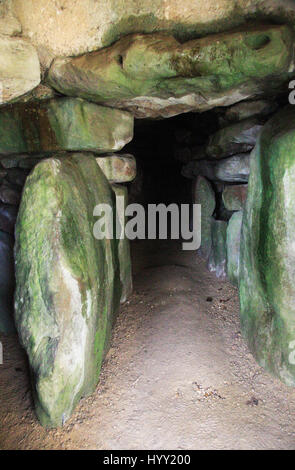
178	374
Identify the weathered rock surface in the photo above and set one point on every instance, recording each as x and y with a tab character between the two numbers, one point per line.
9	25
203	194
19	68
8	214
248	109
118	168
67	282
235	169
236	138
267	276
233	242
217	259
155	75
63	124
7	283
121	192
71	27
234	197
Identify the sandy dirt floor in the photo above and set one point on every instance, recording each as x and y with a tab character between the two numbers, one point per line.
178	374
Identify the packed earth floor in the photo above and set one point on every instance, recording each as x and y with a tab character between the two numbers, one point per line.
178	374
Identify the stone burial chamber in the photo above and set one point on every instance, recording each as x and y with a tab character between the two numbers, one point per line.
75	130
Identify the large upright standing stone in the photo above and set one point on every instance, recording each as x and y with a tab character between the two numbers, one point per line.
267	271
204	195
67	282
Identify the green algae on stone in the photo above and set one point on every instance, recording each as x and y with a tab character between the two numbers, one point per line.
217	259
121	193
120	168
67	282
63	124
233	241
154	75
267	276
204	195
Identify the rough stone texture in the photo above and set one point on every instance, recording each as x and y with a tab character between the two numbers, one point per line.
67	282
236	138
7	283
203	194
234	169
123	244
71	27
267	276
217	259
63	124
234	197
118	168
247	109
19	68
233	242
155	75
9	25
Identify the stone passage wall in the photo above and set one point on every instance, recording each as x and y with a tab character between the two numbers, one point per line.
248	230
53	105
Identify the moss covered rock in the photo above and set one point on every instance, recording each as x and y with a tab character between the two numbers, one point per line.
118	168
267	275
67	282
204	195
233	242
155	75
63	124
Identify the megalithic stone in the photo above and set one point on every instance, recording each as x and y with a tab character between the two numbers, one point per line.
154	75
68	284
67	124
267	275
